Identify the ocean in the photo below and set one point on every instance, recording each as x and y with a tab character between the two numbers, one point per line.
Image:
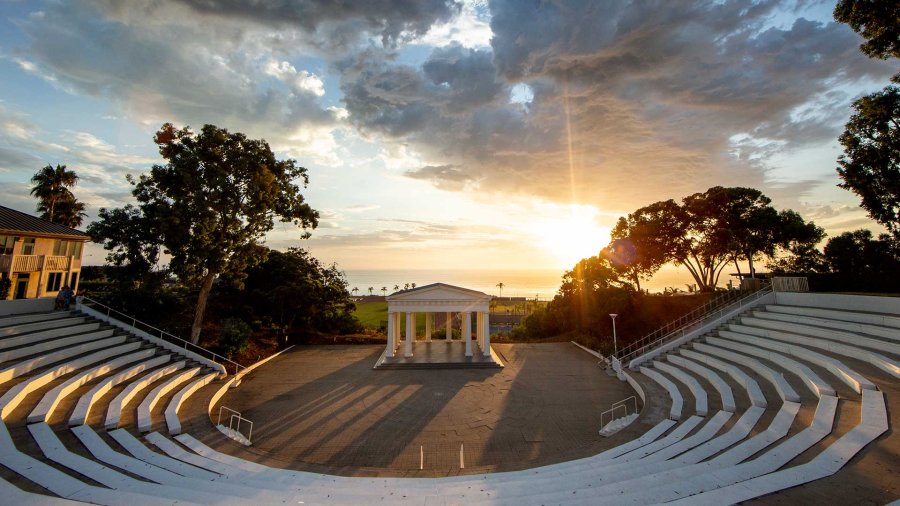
530	283
542	283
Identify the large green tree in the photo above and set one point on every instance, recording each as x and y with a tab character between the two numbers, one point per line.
213	202
878	21
132	240
56	202
870	165
645	240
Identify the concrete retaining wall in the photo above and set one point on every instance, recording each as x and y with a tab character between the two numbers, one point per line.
890	305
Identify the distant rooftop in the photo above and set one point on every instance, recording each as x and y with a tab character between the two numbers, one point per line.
16	222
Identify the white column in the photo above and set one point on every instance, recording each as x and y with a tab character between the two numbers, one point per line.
397	330
429	323
467	332
449	325
486	340
479	328
410	334
389	351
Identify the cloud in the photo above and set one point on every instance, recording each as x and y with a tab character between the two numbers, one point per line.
686	94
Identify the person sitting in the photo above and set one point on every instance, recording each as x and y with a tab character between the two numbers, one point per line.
67	296
61	299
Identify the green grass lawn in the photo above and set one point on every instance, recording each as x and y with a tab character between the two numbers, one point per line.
373	315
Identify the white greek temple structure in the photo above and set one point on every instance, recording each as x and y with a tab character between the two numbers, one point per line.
470	305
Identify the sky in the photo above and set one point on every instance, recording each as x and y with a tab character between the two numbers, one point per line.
503	134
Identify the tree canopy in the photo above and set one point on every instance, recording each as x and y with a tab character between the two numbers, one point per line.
878	21
211	205
56	202
870	165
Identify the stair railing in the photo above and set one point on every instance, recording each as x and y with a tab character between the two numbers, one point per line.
689	322
162	334
623	404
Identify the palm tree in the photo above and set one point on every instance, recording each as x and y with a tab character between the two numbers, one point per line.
406	286
412	285
355	289
500	285
68	212
51	187
396	287
384	291
371	289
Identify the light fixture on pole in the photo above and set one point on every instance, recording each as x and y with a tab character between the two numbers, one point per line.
615	346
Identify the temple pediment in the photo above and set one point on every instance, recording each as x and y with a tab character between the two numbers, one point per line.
439	292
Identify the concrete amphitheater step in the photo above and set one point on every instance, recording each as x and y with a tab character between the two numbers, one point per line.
144	419
883	362
134	388
173	423
9	343
52	398
53	323
8	321
816	323
824	334
840	370
86	402
15	395
880	319
813	381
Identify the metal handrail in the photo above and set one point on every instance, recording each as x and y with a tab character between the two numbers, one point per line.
678	323
166	336
612	415
711	315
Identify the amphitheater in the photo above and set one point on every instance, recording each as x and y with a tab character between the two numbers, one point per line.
778	397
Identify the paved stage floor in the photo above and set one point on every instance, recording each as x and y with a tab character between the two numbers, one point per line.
323	408
438	354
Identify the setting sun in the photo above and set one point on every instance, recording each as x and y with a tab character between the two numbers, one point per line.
573	235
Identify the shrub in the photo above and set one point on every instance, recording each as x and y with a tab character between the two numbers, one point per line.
234	335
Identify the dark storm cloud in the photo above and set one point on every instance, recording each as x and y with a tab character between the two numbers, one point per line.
660	89
391	19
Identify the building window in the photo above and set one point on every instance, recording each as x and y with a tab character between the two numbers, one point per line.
6	244
28	246
67	248
73	280
54	281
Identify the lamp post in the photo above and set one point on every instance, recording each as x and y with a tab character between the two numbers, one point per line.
615	346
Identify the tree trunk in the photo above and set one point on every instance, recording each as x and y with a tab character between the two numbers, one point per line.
752	270
205	288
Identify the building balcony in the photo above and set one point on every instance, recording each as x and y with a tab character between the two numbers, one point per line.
35	263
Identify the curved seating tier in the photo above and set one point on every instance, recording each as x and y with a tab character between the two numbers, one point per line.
740	452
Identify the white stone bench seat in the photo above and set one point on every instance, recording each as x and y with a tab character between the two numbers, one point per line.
842	371
890	333
56	451
114	410
45	335
41	325
138	450
144	418
26	366
53	344
757	398
14	495
674	394
813	381
784	389
697	390
65	485
677	483
884	363
104	453
872	425
86	401
723	389
51	399
16	394
881	319
8	321
173	423
770	328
